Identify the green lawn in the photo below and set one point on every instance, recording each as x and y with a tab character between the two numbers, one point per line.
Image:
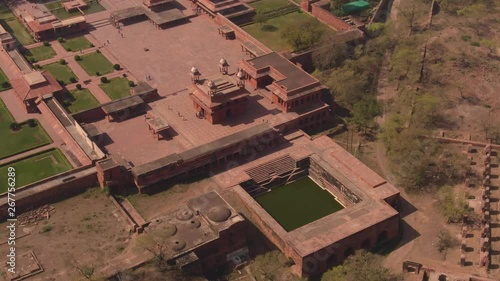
3	79
40	53
78	100
116	88
60	72
14	26
270	33
76	44
96	62
267	5
15	142
61	13
35	168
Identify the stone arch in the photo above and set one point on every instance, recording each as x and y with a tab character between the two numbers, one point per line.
382	237
348	252
366	244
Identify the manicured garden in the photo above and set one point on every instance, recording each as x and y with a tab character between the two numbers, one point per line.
78	100
95	64
23	138
61	72
40	53
116	88
57	9
35	167
76	44
14	26
4	81
270	32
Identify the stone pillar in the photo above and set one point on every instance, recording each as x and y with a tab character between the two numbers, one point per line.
462	260
463	245
464	231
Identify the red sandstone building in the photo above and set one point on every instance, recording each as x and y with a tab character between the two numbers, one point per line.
33	86
220	98
203	236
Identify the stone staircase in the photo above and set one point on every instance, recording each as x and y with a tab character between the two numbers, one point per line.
99	23
265	172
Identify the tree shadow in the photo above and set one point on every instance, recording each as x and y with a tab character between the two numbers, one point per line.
269	28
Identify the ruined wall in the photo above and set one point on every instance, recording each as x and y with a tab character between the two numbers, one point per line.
90	115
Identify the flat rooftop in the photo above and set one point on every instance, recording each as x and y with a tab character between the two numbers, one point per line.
294	76
323	232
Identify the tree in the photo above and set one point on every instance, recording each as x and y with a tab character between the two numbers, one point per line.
426	111
261	18
104	79
116	66
410	14
362	265
347	86
78	86
86	271
155	242
364	112
302	34
330	54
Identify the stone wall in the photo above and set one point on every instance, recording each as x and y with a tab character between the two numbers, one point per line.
51	190
327	18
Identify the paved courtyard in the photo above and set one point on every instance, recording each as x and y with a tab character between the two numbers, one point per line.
172	52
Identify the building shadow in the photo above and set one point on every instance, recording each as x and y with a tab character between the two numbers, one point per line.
405	207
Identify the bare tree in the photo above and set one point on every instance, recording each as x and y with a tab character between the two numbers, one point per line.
86	271
410	17
155	242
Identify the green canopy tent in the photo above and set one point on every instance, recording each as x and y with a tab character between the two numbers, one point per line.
355	6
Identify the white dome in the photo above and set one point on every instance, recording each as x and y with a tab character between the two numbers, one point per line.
223	61
211	84
194	70
240	74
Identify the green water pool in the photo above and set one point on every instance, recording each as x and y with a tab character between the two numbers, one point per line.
298	203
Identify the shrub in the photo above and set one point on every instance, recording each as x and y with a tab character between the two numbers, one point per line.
116	67
14	126
131	83
60	39
32	60
98	51
6	84
46	43
61	82
97	73
31	122
124	75
46	228
68	49
37	66
475	44
104	79
72	79
78	58
92	45
62	61
78	86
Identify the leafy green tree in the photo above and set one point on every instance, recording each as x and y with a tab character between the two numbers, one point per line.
364	112
303	34
347	86
362	265
261	18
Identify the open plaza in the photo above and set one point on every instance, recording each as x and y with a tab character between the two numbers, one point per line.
180	117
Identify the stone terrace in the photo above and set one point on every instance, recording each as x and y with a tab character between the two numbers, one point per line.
172	52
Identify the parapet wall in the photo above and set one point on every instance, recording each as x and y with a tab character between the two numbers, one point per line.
240	33
327	18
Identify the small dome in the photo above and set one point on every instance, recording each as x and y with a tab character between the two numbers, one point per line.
223	62
177	245
211	84
169	229
184	215
194	223
219	213
240	74
194	70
